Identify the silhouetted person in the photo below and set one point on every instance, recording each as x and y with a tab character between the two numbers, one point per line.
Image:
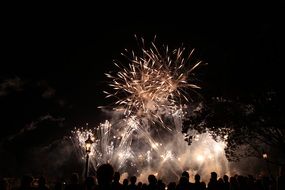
125	184
152	182
234	184
74	182
144	186
226	182
203	184
213	184
198	185
42	184
139	186
186	174
241	182
116	181
105	174
220	183
26	183
133	185
171	186
183	184
160	185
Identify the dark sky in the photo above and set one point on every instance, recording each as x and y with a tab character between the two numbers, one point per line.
53	61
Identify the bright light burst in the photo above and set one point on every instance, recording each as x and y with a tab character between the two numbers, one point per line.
128	145
153	87
154	82
79	136
102	150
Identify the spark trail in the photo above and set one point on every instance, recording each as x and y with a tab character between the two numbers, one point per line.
152	91
154	82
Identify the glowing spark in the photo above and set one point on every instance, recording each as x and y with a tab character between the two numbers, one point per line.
200	158
196	138
218	148
154	81
151	91
210	157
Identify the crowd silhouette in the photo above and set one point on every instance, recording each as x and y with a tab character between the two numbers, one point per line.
108	179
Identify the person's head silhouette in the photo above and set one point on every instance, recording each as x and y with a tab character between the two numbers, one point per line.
197	178
185	174
133	180
105	174
116	177
214	176
152	179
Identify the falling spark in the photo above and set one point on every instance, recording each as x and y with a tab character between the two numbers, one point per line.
154	82
152	87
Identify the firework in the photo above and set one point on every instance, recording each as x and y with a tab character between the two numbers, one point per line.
154	82
130	148
154	86
107	145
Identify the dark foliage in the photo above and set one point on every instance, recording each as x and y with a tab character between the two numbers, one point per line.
251	125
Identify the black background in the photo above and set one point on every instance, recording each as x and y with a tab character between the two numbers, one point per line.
70	49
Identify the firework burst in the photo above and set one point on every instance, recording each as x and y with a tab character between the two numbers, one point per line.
154	83
126	151
152	89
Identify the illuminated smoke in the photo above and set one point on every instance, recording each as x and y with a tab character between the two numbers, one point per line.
152	94
134	151
154	82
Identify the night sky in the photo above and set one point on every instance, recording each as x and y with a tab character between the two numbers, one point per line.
53	61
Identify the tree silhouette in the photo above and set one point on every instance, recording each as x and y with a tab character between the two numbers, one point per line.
252	125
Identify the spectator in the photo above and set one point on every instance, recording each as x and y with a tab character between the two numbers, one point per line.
213	184
105	174
116	181
198	185
226	182
133	185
